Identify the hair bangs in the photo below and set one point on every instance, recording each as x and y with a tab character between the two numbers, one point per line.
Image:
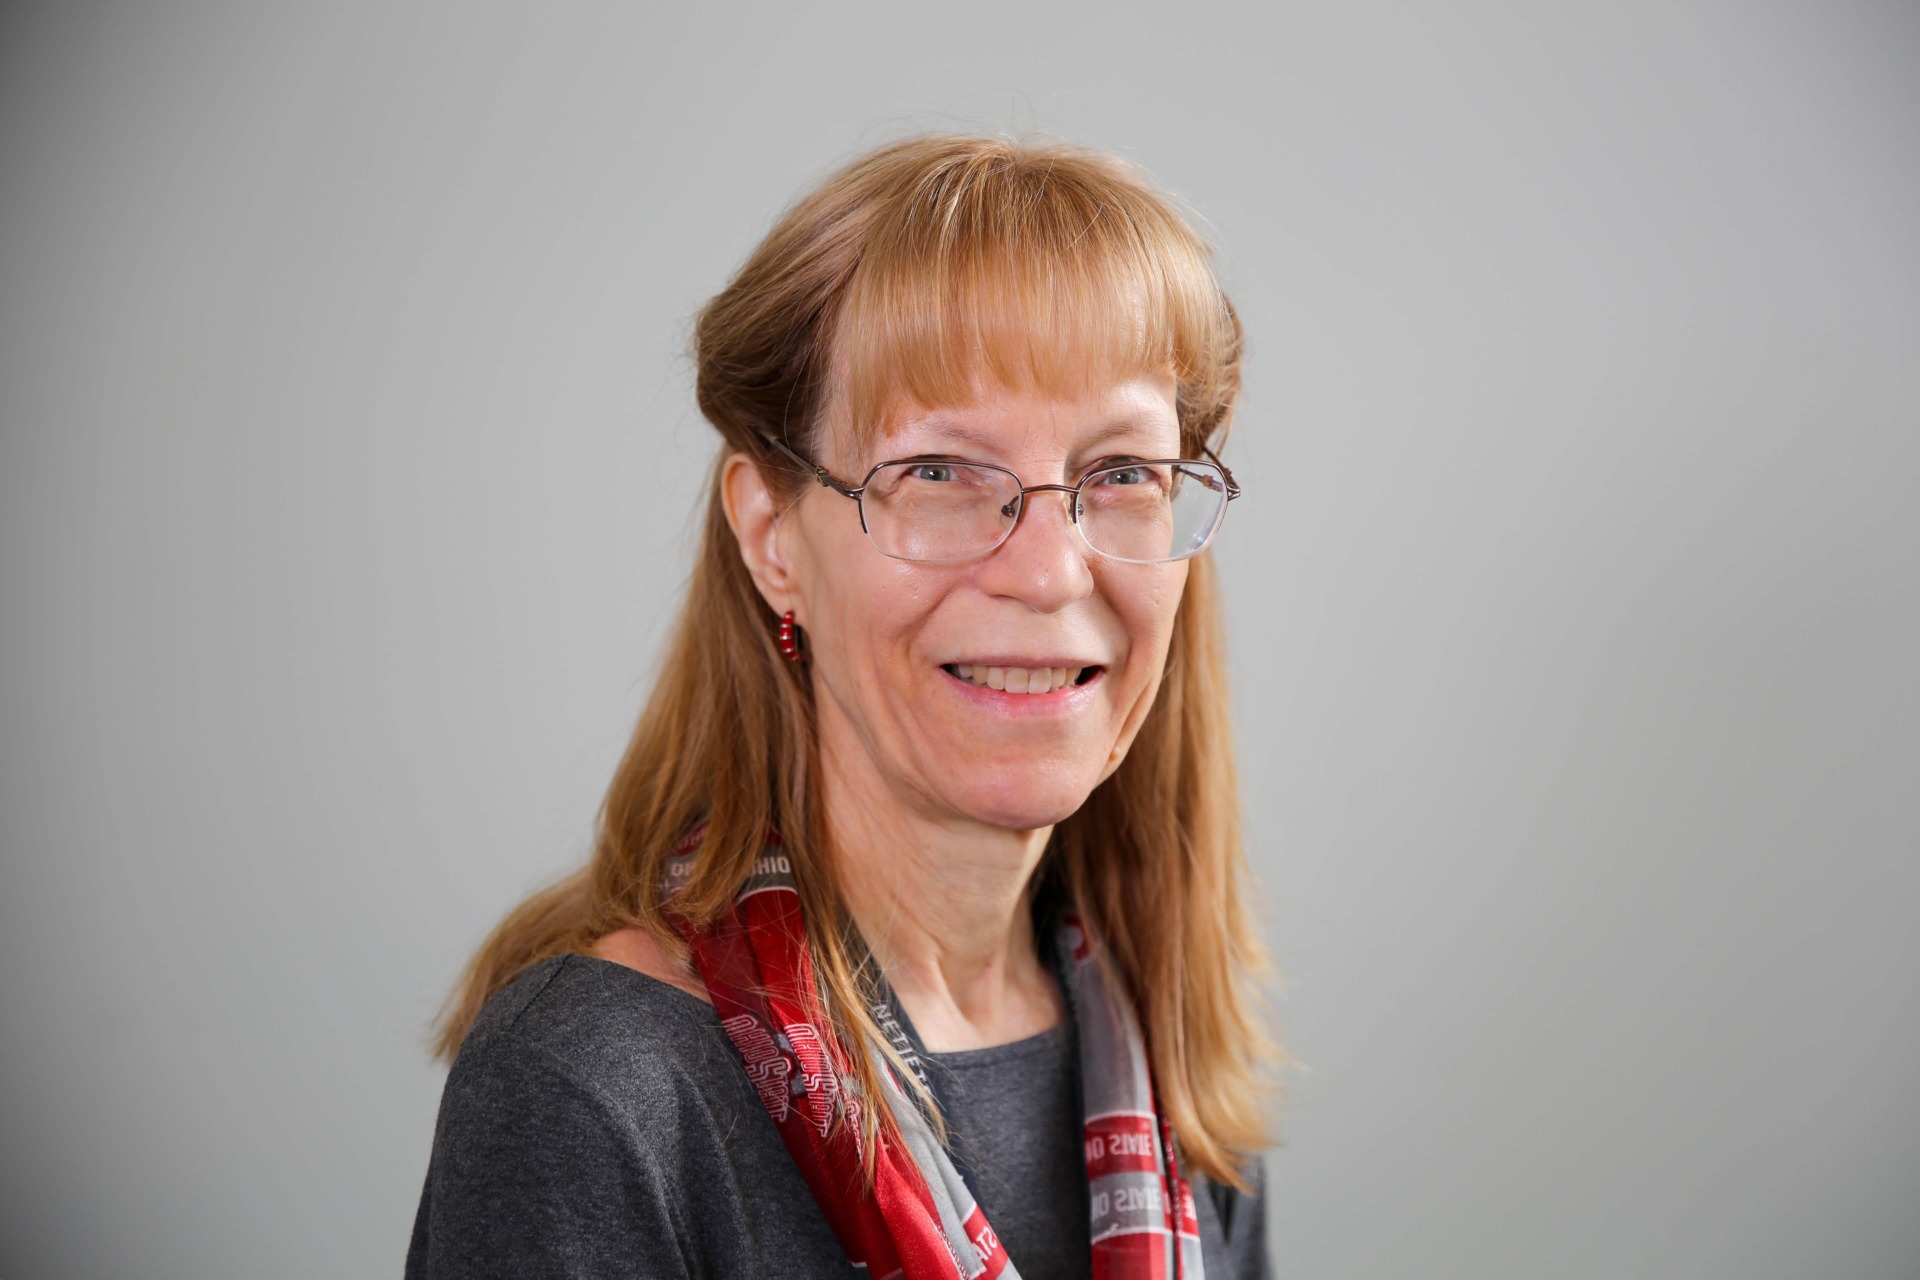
1057	275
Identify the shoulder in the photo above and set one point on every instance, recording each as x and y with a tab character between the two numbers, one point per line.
640	951
622	1038
1240	1218
585	1105
600	1075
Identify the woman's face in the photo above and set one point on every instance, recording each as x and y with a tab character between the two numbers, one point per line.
905	655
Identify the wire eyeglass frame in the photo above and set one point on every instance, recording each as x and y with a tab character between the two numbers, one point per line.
1018	504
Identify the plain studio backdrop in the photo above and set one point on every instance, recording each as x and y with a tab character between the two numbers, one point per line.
349	460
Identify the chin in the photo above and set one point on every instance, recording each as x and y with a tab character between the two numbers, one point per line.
1023	800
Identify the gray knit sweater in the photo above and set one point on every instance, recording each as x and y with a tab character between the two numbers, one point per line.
597	1124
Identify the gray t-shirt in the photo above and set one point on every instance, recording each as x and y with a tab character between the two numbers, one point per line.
596	1123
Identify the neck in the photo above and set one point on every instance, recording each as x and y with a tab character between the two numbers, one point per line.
945	906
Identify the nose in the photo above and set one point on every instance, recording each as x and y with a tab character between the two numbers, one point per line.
1044	561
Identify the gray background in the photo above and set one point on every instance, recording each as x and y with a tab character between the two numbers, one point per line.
348	460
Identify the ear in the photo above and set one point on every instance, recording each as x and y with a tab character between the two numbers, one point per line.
754	513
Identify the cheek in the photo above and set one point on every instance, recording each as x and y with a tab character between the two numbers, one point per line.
824	550
865	609
880	603
1148	602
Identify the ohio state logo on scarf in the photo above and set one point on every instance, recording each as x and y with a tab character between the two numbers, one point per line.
921	1222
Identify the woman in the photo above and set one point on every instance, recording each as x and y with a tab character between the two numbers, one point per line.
914	934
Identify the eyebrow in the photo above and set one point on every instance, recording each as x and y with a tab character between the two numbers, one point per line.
959	433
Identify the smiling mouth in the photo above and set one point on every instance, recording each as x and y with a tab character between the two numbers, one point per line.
1021	679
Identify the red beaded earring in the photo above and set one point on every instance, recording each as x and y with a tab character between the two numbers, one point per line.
790	638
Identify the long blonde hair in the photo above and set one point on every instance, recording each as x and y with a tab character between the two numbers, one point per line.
910	271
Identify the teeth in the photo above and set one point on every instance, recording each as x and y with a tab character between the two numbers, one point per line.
1019	679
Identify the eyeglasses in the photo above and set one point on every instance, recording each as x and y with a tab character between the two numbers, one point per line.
937	510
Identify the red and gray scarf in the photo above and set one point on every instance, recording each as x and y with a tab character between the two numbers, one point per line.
921	1221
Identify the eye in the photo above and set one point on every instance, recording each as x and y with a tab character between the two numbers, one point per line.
932	472
1116	473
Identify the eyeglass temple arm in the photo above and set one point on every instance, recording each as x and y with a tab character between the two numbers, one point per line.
820	473
1233	486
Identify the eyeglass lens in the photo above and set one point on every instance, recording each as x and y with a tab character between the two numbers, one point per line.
1146	512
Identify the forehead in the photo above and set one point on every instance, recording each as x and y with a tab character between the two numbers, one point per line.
1132	413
